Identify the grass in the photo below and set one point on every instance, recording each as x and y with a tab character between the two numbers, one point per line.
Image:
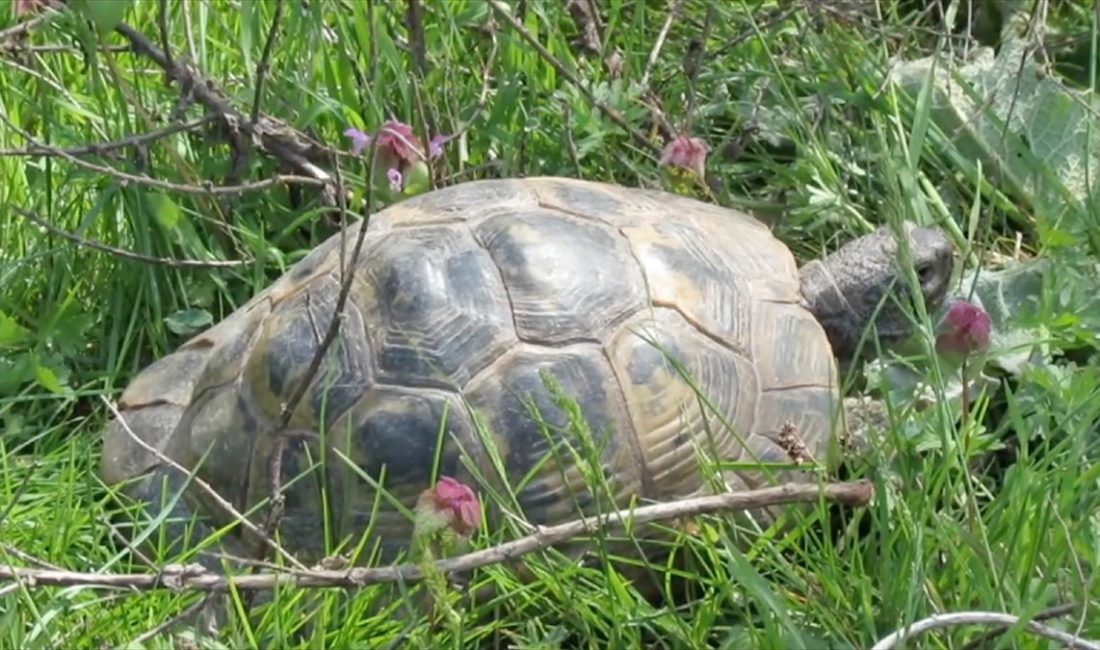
999	513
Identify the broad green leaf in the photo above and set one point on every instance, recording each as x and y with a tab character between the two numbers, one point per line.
1011	296
105	14
165	210
188	321
14	372
11	332
1033	135
48	379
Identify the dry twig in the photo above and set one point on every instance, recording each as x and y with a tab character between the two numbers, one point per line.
655	52
8	549
981	618
7	36
125	254
414	21
194	577
347	276
98	149
486	84
162	26
167	623
203	189
285	143
203	485
587	18
265	59
502	10
1051	612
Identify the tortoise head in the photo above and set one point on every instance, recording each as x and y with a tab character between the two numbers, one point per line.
862	283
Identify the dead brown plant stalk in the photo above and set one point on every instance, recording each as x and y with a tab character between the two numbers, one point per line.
197	578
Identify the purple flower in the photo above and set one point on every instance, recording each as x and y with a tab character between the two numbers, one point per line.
396	181
964	330
450	504
398	149
359	140
687	153
435	146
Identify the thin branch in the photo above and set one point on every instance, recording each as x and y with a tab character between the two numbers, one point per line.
693	63
125	254
282	141
613	115
1051	612
981	618
101	148
346	270
265	59
162	25
486	85
17	30
195	577
203	485
586	16
347	275
17	48
655	53
121	539
37	75
414	21
341	300
774	17
203	189
27	557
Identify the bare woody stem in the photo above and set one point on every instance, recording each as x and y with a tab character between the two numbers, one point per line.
196	578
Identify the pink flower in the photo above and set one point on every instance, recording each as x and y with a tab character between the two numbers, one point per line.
398	149
687	153
965	329
450	504
20	7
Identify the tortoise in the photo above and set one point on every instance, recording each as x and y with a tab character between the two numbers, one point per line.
472	310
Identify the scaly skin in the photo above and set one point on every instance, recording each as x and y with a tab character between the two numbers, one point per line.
845	289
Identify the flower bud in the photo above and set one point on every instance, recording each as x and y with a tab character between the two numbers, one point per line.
450	504
964	330
686	153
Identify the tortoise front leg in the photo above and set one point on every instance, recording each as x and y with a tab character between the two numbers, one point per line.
170	521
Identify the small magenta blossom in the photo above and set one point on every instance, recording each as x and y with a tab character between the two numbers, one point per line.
21	7
450	504
399	152
686	153
964	330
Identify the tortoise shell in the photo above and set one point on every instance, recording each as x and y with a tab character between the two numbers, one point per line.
478	317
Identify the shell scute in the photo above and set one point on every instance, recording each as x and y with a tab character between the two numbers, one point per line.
684	272
595	201
525	401
286	345
467	202
437	308
569	280
686	394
